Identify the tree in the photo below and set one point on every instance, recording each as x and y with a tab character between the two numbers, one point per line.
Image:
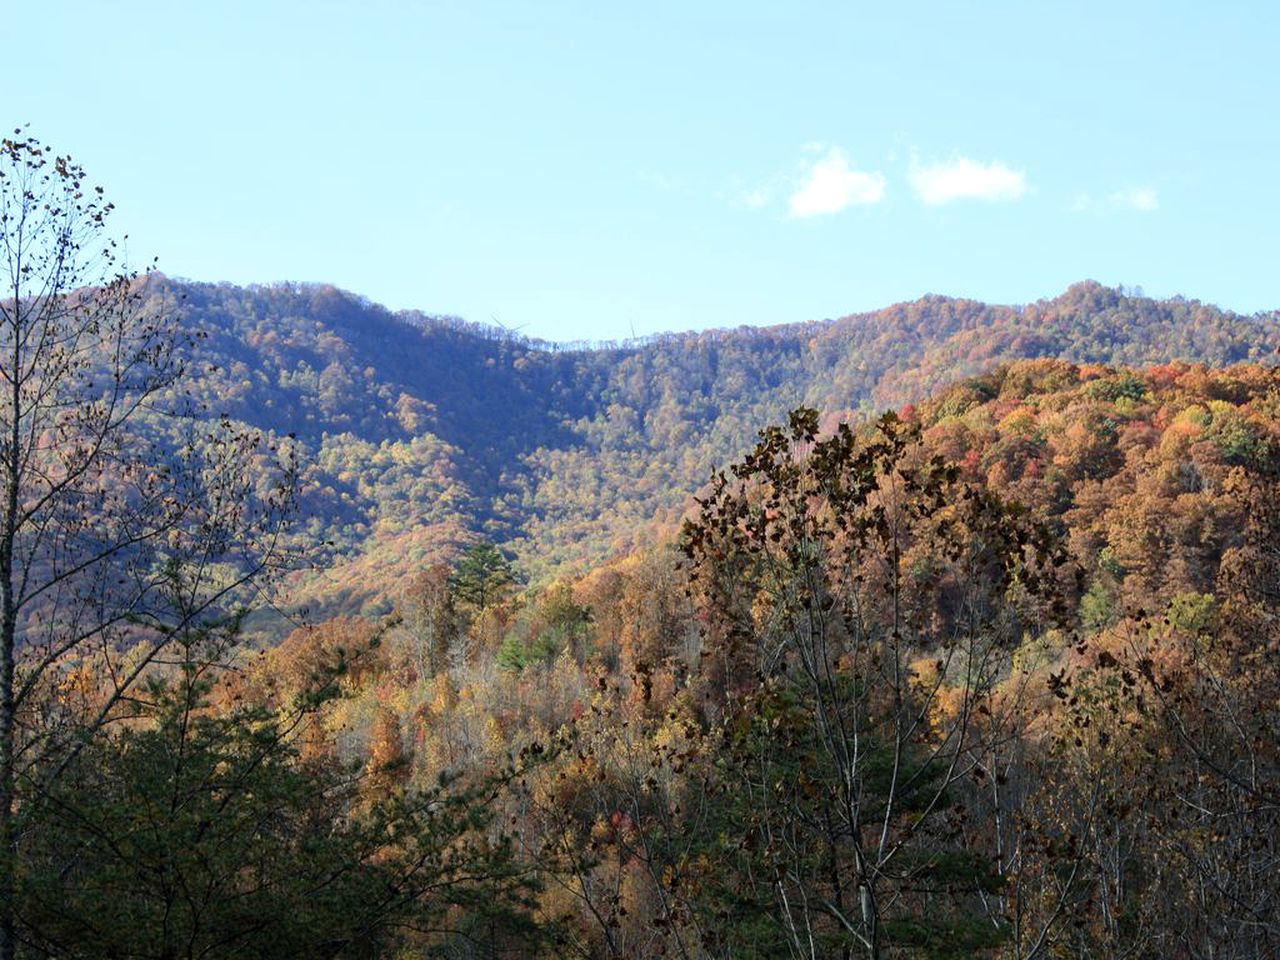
388	762
1200	687
617	825
483	576
431	619
861	604
199	832
110	543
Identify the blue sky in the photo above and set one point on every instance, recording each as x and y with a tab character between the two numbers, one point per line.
590	170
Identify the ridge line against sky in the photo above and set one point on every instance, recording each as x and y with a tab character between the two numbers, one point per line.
574	172
413	315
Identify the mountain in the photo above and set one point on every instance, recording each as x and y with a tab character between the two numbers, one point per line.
419	431
1060	604
1022	630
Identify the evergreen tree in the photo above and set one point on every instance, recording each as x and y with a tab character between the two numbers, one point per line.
199	831
483	576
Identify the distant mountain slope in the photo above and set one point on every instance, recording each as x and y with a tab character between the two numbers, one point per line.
419	428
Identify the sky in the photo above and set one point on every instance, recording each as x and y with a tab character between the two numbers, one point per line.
601	170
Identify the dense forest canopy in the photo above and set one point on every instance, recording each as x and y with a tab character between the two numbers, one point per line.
419	432
993	675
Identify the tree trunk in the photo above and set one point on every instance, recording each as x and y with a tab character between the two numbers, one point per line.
8	653
9	646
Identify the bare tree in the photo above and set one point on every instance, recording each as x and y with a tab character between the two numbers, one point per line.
120	526
857	596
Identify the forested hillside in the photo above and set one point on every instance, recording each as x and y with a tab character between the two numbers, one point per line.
664	649
993	676
1032	617
417	432
673	648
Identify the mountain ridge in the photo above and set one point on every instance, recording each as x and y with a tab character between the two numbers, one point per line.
421	431
420	318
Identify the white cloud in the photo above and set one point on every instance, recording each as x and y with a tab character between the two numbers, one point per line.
1132	199
965	179
827	185
1141	199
